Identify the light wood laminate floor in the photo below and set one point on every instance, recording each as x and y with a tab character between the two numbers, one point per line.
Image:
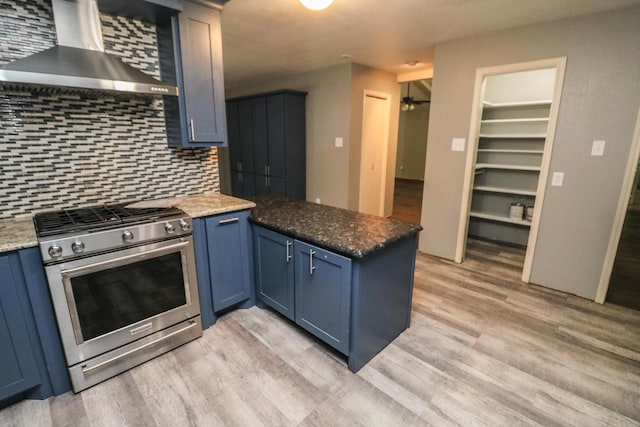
483	349
407	200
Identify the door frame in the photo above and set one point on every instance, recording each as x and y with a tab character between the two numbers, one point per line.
474	131
621	213
387	98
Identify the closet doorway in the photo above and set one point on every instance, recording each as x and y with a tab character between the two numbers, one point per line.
619	281
510	142
624	286
373	158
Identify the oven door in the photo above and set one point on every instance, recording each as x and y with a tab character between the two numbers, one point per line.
106	301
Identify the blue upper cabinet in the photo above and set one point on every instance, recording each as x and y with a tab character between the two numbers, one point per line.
19	370
197	117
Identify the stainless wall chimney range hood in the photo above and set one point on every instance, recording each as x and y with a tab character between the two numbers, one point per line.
78	63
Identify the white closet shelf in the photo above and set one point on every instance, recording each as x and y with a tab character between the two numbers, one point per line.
507	167
500	218
512	151
542	102
528	120
504	190
514	136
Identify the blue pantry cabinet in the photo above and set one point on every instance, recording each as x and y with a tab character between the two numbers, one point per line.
267	144
223	262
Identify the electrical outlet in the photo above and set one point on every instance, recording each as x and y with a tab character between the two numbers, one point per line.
457	144
318	200
557	179
597	149
339	142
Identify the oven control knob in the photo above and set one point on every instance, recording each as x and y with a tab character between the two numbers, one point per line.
55	251
77	247
127	236
185	225
169	228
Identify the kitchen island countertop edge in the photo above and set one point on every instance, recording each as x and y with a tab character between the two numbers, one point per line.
343	231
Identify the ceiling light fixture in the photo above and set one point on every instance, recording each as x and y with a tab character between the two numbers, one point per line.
408	103
316	4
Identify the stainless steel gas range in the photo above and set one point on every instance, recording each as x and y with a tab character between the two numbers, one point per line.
123	285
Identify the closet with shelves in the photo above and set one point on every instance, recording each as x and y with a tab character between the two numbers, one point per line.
509	157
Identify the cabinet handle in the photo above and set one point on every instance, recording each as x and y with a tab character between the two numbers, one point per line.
289	250
268	181
311	267
268	170
192	130
228	221
240	166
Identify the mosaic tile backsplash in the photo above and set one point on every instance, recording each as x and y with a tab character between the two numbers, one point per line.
59	151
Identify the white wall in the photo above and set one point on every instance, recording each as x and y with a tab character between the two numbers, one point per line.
600	100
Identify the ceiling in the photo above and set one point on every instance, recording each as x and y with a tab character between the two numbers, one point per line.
265	39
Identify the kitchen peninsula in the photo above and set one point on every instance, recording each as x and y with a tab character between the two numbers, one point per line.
345	277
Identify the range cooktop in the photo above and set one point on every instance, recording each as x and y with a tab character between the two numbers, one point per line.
97	218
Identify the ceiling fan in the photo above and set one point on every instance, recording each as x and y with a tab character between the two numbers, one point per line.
408	103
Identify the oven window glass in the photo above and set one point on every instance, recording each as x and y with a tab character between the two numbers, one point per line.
110	299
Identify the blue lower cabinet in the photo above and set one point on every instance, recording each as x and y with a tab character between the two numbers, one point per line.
323	294
273	265
223	262
32	363
19	370
357	306
307	284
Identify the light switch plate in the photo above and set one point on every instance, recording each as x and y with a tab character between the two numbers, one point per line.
557	179
339	142
457	144
597	149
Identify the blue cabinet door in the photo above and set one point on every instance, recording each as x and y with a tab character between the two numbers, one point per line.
323	294
18	370
229	258
202	102
273	258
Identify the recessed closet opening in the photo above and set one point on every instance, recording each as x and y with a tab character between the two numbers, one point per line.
510	141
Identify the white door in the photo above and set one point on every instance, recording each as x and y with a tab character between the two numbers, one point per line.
373	160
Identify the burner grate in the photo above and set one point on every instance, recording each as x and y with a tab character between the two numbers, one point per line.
96	218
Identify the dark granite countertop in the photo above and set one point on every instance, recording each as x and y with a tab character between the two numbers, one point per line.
342	231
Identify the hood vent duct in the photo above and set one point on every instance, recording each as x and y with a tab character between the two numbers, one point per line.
78	63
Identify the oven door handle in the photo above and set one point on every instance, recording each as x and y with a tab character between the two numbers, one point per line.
87	369
103	265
